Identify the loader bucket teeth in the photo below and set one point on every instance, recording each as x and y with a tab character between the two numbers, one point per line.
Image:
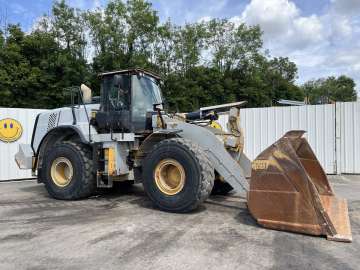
289	191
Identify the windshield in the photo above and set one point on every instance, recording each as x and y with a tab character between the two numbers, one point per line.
145	93
149	88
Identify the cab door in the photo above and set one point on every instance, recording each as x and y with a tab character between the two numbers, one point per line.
114	112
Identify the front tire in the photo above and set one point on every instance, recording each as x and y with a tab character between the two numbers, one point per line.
68	171
177	175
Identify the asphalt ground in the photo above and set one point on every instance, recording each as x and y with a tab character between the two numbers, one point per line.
122	230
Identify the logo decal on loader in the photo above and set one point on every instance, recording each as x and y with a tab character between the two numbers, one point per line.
10	130
260	165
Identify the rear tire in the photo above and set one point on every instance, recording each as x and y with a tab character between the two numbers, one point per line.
68	171
187	169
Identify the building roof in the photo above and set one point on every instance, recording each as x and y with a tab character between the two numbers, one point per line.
291	102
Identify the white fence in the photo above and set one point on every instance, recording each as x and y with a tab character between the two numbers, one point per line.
8	167
333	132
263	126
348	137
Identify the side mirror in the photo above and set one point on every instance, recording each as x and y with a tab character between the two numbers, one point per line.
86	93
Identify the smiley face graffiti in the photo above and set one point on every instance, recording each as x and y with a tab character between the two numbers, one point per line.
10	130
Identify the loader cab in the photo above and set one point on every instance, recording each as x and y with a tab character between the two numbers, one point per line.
127	101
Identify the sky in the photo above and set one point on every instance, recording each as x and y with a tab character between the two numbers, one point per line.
321	36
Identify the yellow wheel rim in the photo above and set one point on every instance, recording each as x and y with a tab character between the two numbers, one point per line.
61	171
169	176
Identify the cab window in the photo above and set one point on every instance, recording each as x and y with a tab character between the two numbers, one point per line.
116	91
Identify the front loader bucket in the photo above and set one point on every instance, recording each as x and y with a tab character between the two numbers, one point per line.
289	191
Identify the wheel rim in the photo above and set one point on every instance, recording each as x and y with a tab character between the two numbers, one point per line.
61	171
169	176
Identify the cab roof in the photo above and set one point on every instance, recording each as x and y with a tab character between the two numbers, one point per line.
131	72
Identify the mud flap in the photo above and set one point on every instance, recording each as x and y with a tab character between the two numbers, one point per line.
289	191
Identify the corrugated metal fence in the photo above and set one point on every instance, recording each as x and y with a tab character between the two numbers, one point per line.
332	130
348	137
263	126
8	168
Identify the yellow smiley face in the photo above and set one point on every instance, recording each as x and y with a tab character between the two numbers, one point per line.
10	130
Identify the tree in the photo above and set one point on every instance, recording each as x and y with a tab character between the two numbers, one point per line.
189	41
108	36
164	57
25	76
221	40
342	89
329	89
232	46
68	28
284	68
35	68
280	75
199	86
202	64
123	35
142	22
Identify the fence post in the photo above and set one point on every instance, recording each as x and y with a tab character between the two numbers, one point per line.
338	107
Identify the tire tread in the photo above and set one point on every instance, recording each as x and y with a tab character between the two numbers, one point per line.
206	169
87	185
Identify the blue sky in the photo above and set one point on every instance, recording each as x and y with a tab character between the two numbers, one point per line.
321	36
26	11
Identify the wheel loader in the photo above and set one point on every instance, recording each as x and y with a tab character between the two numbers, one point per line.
179	158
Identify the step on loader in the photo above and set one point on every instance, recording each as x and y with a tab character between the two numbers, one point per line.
126	136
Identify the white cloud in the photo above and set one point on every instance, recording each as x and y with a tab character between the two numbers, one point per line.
306	31
282	24
346	7
321	45
274	16
349	58
204	19
341	27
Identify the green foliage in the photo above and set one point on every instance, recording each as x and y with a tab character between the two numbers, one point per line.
198	86
35	68
202	64
330	89
23	71
122	35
